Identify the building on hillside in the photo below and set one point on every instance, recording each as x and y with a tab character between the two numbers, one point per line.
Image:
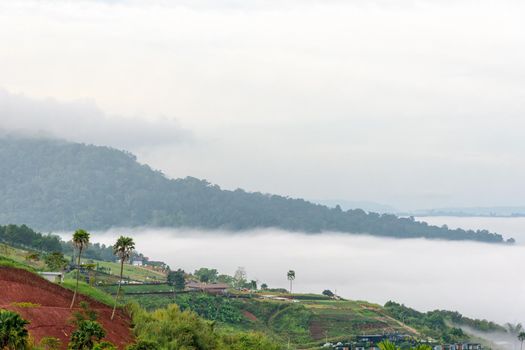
55	277
210	288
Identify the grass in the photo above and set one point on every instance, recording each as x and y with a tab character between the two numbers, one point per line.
135	273
16	257
25	304
92	292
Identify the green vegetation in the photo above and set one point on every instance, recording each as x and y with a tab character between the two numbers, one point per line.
171	328
23	236
123	249
81	241
92	292
434	323
54	185
13	332
387	345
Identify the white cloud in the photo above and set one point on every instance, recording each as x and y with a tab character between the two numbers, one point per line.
83	121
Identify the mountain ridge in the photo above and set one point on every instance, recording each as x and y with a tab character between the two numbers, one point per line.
58	185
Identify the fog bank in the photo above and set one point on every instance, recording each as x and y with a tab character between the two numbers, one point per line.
479	280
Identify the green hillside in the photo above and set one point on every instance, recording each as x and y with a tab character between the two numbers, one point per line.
54	185
312	319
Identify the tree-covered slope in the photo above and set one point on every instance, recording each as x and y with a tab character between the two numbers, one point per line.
55	185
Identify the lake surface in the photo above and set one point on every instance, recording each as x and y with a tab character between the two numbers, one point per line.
477	279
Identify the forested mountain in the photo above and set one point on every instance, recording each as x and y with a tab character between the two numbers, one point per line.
56	185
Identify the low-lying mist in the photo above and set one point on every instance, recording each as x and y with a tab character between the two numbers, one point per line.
477	279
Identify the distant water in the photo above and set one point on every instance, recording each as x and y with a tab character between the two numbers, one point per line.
508	227
477	279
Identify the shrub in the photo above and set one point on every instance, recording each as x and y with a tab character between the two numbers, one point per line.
50	343
86	335
13	332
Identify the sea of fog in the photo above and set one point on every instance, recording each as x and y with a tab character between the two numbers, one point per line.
477	279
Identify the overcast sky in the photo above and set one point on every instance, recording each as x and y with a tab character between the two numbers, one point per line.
415	104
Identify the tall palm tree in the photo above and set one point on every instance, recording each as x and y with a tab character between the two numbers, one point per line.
291	277
123	249
521	338
80	242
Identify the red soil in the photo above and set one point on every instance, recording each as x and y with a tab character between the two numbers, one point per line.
52	318
249	315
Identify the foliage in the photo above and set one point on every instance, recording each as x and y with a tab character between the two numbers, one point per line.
173	329
55	261
80	241
85	314
211	307
87	334
144	345
249	341
293	321
387	345
13	332
25	237
123	249
328	293
50	343
90	291
177	279
25	304
54	185
433	323
105	345
206	275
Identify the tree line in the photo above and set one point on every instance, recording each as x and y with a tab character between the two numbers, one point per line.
54	185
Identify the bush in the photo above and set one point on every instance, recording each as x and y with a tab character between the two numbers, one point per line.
13	332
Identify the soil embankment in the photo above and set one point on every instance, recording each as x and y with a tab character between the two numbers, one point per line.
51	316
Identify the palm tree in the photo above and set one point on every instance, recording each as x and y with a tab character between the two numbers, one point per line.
521	338
123	249
291	277
80	242
13	332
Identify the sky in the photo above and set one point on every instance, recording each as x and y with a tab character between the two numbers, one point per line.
414	104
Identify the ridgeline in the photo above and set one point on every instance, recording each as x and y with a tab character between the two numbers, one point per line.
56	185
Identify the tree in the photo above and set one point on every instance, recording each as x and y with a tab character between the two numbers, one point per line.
86	335
206	275
13	332
291	277
80	242
177	279
55	261
123	249
240	277
521	338
514	329
328	293
253	284
264	286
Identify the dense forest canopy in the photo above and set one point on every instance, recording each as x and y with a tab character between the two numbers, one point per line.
55	185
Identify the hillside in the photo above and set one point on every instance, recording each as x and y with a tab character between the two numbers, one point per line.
55	185
46	306
314	319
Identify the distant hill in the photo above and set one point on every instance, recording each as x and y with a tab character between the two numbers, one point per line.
56	185
365	205
473	211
